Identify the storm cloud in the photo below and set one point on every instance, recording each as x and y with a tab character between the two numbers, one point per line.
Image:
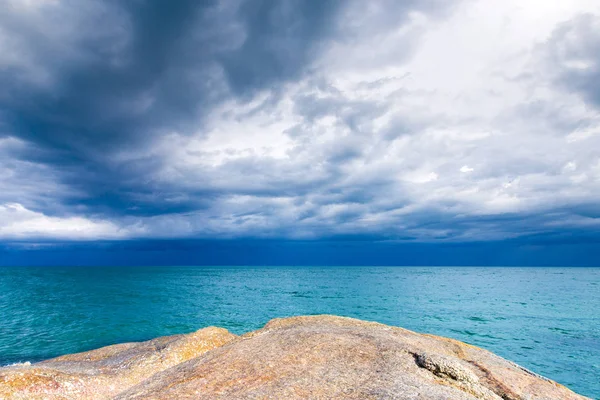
410	121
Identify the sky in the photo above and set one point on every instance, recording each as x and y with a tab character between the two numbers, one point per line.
454	132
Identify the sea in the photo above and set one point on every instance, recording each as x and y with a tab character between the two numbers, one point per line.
546	319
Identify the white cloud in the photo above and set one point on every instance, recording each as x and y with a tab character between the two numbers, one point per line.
584	133
17	222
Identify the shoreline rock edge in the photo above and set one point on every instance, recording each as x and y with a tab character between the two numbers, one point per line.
310	357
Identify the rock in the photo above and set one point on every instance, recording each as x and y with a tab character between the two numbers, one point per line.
318	357
105	372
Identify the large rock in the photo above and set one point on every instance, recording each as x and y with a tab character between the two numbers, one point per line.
106	372
320	357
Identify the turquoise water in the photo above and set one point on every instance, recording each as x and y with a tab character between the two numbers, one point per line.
547	319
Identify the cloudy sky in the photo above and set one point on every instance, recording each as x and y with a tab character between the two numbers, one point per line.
418	121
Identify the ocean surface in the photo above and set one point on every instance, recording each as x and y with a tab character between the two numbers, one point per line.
546	319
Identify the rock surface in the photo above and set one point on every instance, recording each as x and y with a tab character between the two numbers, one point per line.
105	372
317	357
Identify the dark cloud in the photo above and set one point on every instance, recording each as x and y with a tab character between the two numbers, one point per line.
280	39
129	72
291	118
360	250
573	52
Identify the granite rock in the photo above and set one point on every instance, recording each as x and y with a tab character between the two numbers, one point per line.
316	357
108	371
